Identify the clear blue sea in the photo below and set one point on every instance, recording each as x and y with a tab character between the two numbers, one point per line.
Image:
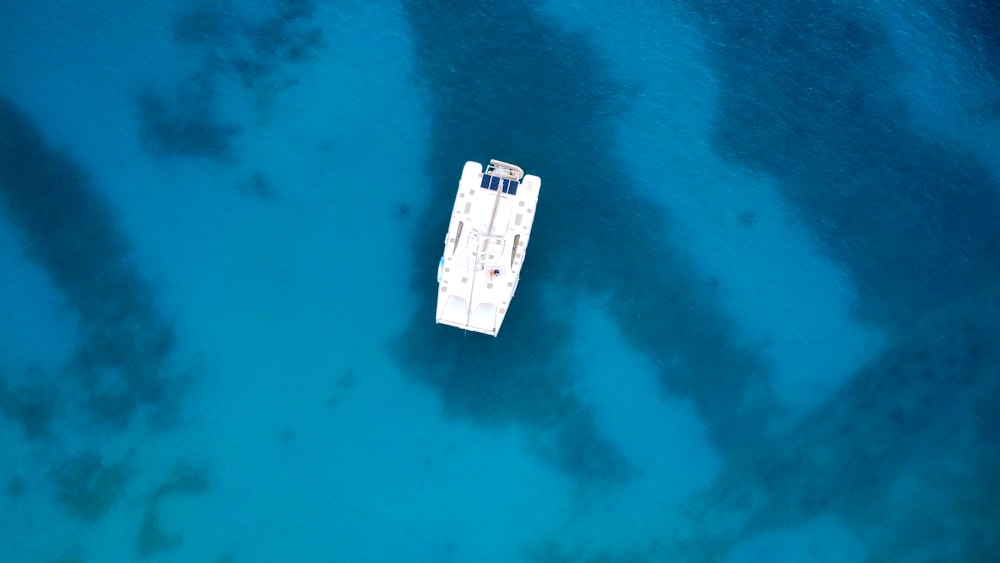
758	321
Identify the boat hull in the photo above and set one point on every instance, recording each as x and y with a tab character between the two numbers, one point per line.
485	247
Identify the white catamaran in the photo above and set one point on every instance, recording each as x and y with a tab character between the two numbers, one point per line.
483	252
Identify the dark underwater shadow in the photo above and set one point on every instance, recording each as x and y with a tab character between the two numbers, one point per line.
807	97
123	371
121	361
977	24
258	51
536	95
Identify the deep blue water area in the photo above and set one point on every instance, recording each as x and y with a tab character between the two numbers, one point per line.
758	319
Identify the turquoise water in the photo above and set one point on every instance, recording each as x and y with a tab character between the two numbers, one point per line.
757	321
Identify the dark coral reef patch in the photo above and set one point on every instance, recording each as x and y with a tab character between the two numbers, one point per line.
122	358
544	101
87	487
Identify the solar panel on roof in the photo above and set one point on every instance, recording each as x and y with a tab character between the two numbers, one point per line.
491	182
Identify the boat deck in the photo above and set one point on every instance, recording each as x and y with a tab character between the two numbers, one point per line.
485	246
